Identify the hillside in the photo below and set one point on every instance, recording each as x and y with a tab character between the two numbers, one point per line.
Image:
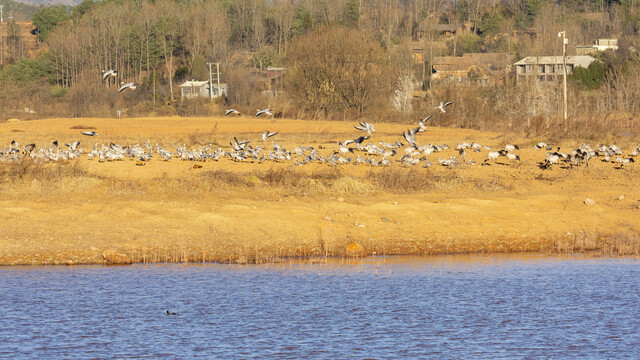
50	2
20	11
28	45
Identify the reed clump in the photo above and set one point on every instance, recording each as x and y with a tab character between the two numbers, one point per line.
622	244
411	180
349	185
225	177
27	170
293	177
615	244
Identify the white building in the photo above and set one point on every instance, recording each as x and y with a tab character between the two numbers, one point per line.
601	45
549	68
193	89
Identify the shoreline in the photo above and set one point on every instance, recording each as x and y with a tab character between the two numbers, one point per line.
360	260
234	212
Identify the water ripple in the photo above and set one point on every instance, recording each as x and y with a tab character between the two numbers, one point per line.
482	307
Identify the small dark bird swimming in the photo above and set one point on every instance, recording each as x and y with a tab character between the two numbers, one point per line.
171	313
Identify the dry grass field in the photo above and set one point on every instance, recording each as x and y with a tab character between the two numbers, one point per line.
84	211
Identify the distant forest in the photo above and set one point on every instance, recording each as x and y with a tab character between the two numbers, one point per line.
20	11
343	58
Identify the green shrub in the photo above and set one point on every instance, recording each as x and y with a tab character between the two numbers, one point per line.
589	78
57	91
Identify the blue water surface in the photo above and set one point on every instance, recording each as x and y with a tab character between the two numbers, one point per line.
441	307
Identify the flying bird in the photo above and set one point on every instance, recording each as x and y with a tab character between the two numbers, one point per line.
29	148
443	105
239	145
90	133
232	112
357	141
410	136
266	112
74	145
423	124
267	134
366	127
126	86
109	73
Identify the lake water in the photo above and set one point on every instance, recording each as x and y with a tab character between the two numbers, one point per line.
443	307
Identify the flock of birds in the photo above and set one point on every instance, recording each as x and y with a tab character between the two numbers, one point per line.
124	86
359	150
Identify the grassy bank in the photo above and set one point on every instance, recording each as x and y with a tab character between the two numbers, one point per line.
83	211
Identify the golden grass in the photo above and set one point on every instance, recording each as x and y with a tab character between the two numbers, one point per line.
247	212
620	243
26	170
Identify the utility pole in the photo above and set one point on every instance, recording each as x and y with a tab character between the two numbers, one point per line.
218	77
565	41
210	82
1	43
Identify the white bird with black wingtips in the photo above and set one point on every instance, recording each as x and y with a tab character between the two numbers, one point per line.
423	124
267	134
443	105
266	112
108	73
366	127
126	86
357	141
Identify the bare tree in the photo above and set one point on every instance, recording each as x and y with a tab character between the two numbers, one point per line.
337	69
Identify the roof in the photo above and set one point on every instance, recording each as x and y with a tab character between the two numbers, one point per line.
576	60
489	60
446	27
194	83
